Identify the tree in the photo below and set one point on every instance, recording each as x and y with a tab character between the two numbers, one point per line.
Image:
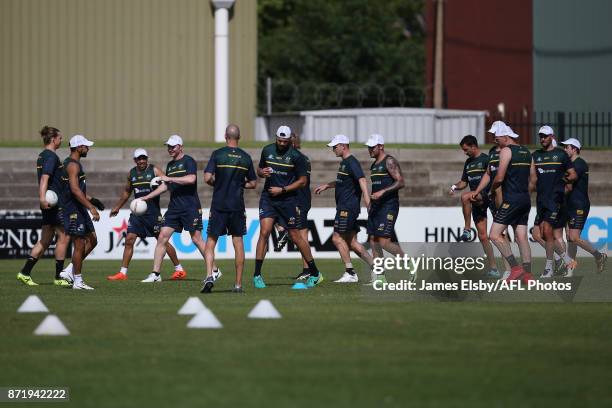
357	47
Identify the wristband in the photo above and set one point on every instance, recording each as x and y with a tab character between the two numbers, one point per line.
453	188
284	190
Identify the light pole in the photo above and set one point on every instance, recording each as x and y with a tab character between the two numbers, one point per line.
221	66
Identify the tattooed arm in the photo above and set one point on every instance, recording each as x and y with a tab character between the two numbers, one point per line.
396	173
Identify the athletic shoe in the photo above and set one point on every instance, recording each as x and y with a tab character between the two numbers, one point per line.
303	275
547	274
152	278
283	238
493	274
118	276
515	273
237	289
505	275
569	273
82	286
466	235
61	282
348	278
26	279
208	284
258	282
67	276
314	281
178	275
573	264
601	262
217	275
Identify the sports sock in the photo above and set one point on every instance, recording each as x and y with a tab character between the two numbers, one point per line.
527	267
312	268
557	257
78	279
27	268
549	265
305	270
123	270
179	267
59	265
156	273
258	264
349	268
512	261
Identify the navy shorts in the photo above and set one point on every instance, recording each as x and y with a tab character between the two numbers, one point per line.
143	226
553	213
286	212
188	219
346	221
381	221
513	213
577	217
77	222
303	219
51	217
226	223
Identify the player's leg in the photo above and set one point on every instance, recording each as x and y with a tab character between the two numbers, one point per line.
304	248
305	271
171	252
78	257
61	247
466	207
209	258
238	243
265	229
481	228
342	245
39	248
496	235
576	240
546	229
158	256
128	252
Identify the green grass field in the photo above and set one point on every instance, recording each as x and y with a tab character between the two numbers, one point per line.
336	345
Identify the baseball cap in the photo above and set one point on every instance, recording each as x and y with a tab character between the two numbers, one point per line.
502	130
546	130
174	140
496	125
140	152
284	132
80	140
511	133
572	142
375	140
338	139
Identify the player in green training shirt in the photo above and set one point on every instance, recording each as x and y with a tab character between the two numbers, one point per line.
230	170
49	170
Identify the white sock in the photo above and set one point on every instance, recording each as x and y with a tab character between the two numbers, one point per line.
68	268
178	267
549	265
123	270
78	278
349	265
557	257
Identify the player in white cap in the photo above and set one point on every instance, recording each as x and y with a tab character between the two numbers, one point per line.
350	186
578	206
148	224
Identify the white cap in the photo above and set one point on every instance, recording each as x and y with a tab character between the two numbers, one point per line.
80	140
546	130
174	140
338	139
572	142
502	130
496	125
140	152
375	140
511	133
283	132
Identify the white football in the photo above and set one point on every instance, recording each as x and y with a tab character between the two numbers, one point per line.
138	206
51	197
155	181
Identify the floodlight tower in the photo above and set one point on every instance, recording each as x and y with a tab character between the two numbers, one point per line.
221	66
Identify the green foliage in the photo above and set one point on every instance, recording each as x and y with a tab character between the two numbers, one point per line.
343	42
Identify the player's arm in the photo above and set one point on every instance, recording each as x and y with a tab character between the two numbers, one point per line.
42	190
364	191
396	174
504	161
157	192
570	176
323	187
484	182
533	177
73	182
251	178
296	185
262	170
209	171
183	180
125	195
